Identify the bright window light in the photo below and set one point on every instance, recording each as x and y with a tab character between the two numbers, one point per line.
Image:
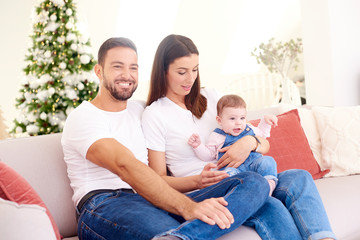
146	23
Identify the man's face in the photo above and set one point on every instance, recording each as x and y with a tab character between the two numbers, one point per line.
120	73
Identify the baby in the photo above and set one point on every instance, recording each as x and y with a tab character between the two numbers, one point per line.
231	117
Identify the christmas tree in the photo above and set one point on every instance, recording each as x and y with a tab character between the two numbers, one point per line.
58	72
3	132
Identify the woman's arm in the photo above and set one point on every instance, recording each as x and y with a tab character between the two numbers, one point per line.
207	177
237	153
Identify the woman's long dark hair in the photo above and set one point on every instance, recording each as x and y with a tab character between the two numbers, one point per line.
170	49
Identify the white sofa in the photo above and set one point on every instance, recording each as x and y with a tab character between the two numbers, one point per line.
40	161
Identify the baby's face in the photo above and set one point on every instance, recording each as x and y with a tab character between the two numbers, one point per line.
232	120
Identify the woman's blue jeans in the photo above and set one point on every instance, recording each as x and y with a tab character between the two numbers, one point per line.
295	212
264	165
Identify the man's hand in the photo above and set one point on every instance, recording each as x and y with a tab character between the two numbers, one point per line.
211	211
209	177
194	141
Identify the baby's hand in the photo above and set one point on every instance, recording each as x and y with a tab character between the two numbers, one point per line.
271	120
194	141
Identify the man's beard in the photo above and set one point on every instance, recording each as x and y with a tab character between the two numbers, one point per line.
119	95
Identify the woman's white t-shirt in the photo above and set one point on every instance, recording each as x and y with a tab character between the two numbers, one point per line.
167	128
87	124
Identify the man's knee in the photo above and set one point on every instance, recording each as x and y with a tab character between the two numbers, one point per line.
253	179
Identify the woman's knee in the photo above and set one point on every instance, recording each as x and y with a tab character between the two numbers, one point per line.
295	175
294	183
274	221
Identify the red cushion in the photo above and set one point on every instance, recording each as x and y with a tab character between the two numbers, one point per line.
15	188
290	147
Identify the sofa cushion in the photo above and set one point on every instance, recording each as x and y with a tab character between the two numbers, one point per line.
308	123
24	221
15	188
289	146
340	137
341	196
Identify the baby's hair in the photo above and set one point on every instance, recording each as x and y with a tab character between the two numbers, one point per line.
230	100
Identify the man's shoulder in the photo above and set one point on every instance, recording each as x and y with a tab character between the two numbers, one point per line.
136	107
139	104
80	110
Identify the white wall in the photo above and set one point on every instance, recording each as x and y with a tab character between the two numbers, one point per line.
15	25
332	51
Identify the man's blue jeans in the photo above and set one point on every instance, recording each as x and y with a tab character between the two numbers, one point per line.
295	212
120	215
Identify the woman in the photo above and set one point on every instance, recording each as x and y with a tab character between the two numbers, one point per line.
177	107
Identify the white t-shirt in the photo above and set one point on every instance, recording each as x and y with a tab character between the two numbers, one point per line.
167	128
87	124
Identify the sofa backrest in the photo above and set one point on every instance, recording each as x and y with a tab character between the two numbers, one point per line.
40	161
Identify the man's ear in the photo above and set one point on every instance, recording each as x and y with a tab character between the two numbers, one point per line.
98	71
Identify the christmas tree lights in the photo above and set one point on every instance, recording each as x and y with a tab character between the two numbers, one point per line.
58	72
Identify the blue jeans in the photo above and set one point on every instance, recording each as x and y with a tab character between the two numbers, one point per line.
298	193
120	215
294	212
264	165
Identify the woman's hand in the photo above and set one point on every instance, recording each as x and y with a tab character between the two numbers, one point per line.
237	153
210	177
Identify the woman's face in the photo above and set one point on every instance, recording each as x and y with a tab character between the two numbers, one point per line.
181	76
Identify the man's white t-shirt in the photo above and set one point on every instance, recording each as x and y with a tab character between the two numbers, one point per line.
167	128
87	124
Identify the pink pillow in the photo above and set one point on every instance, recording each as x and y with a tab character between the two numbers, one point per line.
290	147
15	188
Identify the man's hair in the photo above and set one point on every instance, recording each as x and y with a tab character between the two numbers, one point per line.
113	43
230	100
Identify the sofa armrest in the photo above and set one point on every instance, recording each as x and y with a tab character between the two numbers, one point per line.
41	162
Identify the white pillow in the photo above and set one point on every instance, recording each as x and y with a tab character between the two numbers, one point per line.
339	129
25	221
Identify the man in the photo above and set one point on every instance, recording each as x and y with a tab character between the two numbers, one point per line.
116	195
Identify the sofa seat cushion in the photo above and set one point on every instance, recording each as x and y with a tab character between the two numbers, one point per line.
341	196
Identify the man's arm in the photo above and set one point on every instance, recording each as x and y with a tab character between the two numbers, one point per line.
237	153
112	155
